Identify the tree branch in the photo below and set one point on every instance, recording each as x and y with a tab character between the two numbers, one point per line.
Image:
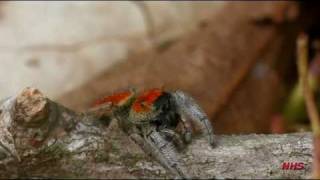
40	138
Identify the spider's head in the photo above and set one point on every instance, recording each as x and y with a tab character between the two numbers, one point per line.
144	106
145	101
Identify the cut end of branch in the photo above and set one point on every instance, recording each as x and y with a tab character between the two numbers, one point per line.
31	108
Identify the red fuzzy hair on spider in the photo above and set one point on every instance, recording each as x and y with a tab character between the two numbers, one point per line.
146	99
114	99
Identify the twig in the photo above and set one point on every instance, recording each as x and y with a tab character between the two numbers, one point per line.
302	52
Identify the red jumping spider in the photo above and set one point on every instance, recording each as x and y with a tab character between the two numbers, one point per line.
150	118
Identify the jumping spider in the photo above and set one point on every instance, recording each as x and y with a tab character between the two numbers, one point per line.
152	119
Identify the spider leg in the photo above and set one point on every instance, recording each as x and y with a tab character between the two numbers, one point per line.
187	132
164	151
175	137
191	111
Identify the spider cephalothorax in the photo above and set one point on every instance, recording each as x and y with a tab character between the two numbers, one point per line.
151	118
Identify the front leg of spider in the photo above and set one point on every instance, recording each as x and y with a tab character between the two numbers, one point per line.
171	135
190	112
155	119
156	145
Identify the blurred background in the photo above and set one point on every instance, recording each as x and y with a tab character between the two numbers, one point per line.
236	58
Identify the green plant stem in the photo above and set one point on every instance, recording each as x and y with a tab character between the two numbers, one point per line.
302	53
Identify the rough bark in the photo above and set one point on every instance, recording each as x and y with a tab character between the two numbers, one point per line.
40	138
